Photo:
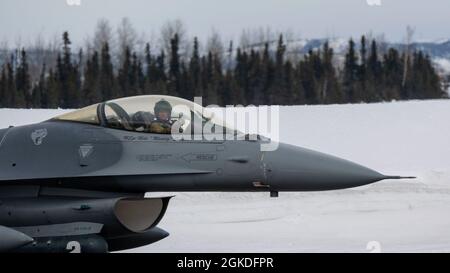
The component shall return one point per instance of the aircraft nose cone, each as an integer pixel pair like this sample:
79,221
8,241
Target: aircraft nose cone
292,168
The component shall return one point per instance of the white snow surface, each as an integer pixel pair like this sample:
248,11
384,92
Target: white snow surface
397,138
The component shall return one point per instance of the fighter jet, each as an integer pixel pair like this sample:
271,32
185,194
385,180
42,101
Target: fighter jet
77,182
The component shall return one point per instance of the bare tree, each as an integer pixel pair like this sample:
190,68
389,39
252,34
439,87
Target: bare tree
214,44
18,43
89,45
251,38
245,40
153,39
38,56
141,42
409,36
4,52
262,37
103,34
50,50
291,49
168,31
382,44
127,37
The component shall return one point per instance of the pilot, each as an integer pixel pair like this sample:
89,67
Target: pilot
162,124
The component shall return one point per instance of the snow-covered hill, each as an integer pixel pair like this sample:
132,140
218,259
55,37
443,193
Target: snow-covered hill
404,138
438,50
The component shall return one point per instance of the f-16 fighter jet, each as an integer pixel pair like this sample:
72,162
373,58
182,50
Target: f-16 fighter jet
76,182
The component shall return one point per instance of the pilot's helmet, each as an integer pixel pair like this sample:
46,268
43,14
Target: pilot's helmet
163,105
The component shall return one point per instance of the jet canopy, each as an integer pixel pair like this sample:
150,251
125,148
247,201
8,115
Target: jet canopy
138,113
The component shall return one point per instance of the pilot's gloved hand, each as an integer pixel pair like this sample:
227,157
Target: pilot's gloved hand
160,127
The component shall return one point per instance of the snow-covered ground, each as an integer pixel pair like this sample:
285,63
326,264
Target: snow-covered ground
399,138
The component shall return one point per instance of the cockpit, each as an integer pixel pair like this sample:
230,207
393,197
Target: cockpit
141,113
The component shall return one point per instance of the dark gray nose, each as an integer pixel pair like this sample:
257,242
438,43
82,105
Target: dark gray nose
292,168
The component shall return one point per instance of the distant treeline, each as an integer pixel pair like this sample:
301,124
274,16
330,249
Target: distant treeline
256,76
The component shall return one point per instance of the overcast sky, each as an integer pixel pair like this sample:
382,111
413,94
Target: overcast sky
306,18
